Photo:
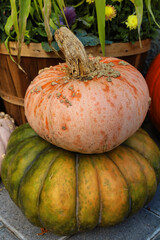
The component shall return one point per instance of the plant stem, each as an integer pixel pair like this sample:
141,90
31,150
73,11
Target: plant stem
74,52
77,60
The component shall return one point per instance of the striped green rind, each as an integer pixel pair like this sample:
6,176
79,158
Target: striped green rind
21,161
32,183
57,205
143,144
9,158
149,173
19,135
88,194
113,188
132,172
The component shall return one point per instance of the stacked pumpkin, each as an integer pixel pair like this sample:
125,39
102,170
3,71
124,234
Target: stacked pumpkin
86,108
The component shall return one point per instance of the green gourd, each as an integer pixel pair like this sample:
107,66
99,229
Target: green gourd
67,192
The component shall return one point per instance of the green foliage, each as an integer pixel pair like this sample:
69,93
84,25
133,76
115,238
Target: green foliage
87,39
23,15
139,12
5,11
100,10
117,31
37,20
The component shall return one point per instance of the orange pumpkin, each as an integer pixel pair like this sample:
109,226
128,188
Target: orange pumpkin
86,105
91,116
153,81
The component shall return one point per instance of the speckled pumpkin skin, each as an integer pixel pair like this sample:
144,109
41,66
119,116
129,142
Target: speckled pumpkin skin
68,192
91,116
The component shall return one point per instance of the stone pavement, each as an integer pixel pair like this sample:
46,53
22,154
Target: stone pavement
145,225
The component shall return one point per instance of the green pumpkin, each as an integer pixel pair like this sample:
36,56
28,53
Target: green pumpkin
67,192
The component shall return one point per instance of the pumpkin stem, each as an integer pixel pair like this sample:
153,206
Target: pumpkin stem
79,65
76,58
43,231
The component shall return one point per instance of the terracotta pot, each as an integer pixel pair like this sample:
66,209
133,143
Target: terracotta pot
14,82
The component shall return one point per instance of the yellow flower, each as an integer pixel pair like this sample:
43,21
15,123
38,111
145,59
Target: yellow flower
110,12
90,1
132,22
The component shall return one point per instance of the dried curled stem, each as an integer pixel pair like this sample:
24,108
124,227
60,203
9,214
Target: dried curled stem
74,52
80,66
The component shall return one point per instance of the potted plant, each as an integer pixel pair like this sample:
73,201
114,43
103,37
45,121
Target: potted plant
27,37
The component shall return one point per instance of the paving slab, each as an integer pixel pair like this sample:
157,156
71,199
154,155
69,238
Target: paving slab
157,237
6,234
1,225
154,205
